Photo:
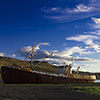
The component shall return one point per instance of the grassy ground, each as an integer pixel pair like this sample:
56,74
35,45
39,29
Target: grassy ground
94,90
49,91
44,66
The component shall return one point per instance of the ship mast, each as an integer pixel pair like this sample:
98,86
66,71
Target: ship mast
31,52
33,48
32,55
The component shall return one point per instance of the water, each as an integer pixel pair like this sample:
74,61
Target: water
97,81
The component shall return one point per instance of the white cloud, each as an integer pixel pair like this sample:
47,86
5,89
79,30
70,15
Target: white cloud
77,50
97,26
96,20
40,54
83,38
70,51
88,40
92,46
55,51
80,11
14,55
51,10
58,58
64,56
97,32
38,46
82,8
25,50
2,54
64,44
79,8
97,23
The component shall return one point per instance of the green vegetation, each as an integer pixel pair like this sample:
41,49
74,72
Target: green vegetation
44,66
6,61
93,90
7,99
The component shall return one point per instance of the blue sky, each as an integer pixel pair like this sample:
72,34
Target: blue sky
68,28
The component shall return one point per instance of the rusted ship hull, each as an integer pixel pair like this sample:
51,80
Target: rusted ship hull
16,76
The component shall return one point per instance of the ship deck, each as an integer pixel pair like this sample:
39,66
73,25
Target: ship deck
75,76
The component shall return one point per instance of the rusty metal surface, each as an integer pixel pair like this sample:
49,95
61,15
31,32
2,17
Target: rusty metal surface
16,76
77,76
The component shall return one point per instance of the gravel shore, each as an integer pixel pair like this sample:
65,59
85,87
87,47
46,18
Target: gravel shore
41,92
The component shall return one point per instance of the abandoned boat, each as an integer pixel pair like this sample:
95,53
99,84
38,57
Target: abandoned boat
22,75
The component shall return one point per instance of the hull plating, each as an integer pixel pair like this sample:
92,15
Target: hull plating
16,76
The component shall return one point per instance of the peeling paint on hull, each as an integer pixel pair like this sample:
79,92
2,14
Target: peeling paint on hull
16,76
